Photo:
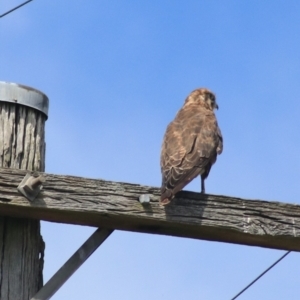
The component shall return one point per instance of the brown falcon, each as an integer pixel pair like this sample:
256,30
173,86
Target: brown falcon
191,144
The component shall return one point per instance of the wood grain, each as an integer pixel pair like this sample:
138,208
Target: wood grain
21,246
115,205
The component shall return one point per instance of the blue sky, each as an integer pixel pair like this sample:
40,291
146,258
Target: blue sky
116,73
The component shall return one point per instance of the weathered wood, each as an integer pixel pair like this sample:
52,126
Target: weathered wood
21,246
75,200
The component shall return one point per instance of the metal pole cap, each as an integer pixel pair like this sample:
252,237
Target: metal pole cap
24,95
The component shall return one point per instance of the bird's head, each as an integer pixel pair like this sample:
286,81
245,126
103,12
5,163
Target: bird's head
203,97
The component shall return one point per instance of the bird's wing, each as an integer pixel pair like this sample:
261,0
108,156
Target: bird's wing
189,143
220,141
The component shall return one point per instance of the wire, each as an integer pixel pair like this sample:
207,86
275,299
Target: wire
262,274
15,8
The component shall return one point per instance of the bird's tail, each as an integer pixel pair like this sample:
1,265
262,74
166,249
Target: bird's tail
166,196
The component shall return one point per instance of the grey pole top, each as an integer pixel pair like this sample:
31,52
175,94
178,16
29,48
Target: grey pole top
24,95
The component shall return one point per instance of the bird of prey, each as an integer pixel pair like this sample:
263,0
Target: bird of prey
191,144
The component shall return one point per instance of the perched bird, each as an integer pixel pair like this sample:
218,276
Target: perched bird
190,145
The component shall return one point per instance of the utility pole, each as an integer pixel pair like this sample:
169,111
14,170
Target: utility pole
23,112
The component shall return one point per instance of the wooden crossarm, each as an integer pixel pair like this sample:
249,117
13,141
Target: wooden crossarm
115,205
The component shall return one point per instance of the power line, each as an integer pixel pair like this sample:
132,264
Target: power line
15,8
262,274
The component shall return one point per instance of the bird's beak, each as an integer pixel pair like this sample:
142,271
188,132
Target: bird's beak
217,106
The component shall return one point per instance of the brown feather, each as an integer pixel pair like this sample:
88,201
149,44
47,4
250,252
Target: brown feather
191,144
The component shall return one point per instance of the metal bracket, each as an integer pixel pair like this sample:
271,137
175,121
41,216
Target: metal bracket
144,199
76,260
30,186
